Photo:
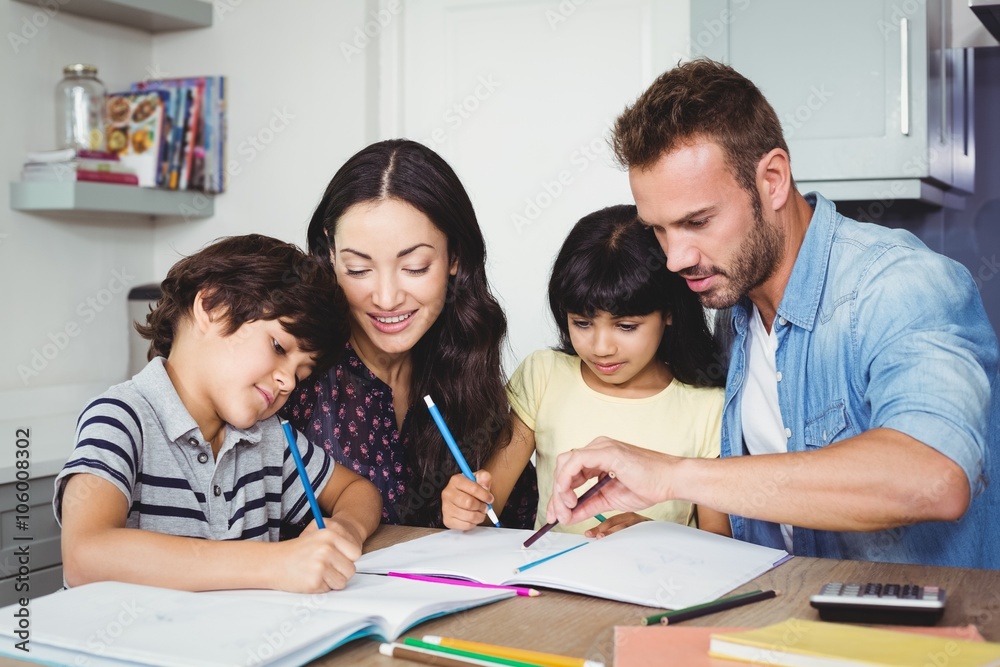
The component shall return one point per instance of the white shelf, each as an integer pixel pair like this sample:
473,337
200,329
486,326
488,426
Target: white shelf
109,198
149,15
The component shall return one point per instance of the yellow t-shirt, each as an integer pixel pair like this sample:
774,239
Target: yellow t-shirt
548,393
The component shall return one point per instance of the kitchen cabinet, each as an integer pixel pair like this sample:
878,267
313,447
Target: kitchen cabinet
873,103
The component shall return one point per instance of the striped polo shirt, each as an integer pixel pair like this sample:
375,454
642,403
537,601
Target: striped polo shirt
139,436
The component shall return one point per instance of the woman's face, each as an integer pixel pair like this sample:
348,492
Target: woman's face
392,263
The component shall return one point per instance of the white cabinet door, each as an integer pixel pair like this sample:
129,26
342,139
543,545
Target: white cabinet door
861,86
518,96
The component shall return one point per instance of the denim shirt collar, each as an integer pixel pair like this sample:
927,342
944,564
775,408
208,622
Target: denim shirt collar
800,302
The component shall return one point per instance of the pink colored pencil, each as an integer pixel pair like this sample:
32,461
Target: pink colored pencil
520,590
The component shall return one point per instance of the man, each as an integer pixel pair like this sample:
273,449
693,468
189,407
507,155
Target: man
862,393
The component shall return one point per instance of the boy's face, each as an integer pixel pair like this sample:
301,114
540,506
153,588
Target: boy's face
250,373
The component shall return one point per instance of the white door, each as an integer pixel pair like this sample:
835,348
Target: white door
518,96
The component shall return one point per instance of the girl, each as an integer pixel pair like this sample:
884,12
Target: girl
400,233
633,363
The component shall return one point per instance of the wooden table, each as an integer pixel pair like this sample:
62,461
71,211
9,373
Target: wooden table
583,626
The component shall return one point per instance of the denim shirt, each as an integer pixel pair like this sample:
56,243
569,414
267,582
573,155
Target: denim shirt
876,330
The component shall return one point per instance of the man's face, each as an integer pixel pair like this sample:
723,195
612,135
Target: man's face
713,234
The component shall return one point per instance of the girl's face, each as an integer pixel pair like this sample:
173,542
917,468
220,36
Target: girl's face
619,353
392,263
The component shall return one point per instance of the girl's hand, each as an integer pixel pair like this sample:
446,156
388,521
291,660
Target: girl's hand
615,523
463,502
318,560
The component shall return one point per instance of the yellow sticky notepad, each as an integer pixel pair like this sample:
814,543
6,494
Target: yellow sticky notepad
816,644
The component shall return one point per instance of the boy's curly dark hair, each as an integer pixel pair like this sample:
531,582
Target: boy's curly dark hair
254,277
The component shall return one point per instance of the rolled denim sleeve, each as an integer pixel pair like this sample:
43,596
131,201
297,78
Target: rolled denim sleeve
927,354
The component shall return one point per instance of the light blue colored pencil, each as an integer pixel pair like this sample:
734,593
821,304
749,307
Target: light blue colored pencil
456,452
301,467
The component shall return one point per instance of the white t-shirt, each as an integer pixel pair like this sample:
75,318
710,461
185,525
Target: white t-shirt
763,430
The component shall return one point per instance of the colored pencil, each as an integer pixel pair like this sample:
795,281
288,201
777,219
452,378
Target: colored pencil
699,610
534,657
306,485
456,452
586,496
520,590
601,517
462,653
432,657
533,563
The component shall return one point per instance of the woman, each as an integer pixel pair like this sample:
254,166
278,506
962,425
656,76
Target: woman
402,237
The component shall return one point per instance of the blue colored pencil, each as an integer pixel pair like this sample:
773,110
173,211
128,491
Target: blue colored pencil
456,452
301,467
542,560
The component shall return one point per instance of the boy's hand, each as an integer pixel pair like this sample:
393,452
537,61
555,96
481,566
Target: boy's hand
615,523
463,502
319,560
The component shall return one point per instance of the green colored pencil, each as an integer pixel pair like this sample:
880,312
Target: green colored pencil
707,607
410,641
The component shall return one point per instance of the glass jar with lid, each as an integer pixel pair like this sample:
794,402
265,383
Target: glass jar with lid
80,109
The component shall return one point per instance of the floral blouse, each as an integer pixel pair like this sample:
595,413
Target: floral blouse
349,412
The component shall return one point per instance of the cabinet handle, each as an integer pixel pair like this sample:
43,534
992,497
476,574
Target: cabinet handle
904,76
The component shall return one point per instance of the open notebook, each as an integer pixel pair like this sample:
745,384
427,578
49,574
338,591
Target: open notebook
111,623
655,563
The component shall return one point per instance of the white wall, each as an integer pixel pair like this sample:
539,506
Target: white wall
283,56
296,111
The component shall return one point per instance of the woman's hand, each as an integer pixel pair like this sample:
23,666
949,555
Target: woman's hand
463,502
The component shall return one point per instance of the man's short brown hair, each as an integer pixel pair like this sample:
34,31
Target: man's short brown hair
700,99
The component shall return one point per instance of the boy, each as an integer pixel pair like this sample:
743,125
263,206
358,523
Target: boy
181,476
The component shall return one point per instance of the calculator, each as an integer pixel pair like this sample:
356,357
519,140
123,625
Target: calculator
906,604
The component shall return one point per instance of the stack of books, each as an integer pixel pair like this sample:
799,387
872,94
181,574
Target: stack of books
192,144
69,165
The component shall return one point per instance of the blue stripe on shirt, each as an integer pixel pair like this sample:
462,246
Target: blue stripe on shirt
169,510
170,483
112,401
114,423
97,464
108,446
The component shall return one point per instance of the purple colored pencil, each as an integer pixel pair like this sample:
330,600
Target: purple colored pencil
586,496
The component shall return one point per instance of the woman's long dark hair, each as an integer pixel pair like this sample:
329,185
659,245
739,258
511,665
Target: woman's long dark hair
610,262
457,361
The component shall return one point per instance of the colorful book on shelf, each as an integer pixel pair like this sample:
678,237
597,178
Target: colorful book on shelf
69,154
133,133
687,646
70,175
654,563
202,143
822,644
112,623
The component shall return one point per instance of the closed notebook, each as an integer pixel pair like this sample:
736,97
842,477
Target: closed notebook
687,646
111,623
818,644
654,563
